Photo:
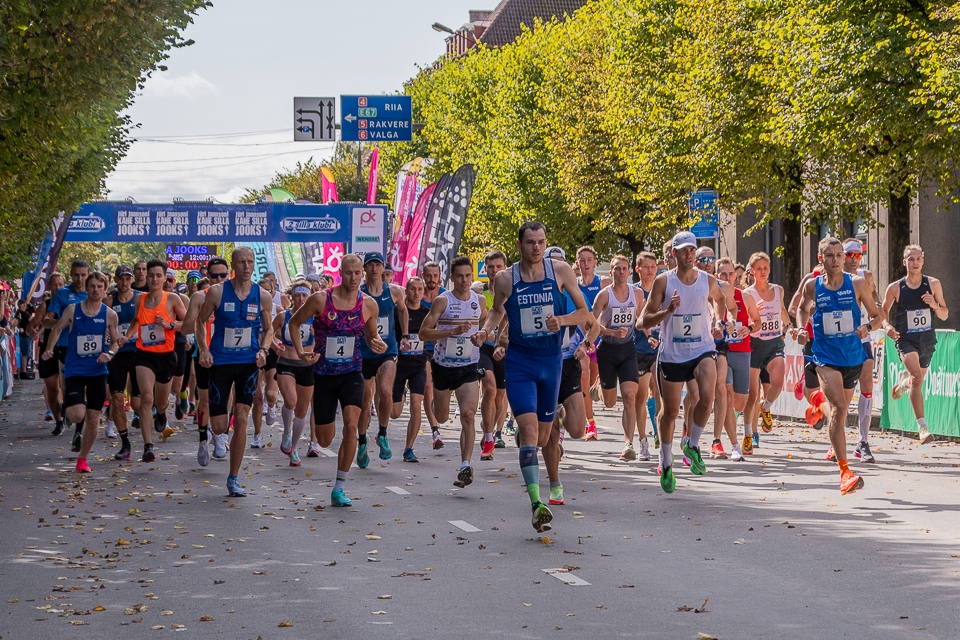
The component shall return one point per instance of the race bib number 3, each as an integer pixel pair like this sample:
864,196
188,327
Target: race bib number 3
236,339
306,335
151,335
416,346
687,328
838,324
919,320
339,349
458,349
89,346
533,322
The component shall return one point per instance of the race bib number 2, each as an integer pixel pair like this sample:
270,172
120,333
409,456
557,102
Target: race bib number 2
687,328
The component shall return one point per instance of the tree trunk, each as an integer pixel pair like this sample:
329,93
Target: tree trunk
792,249
898,233
636,246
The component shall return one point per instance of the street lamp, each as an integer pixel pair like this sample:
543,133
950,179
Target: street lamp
442,28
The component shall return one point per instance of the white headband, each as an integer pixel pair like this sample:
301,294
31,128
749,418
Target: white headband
853,245
302,289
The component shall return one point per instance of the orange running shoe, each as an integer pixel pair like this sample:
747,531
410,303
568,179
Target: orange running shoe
798,389
82,466
814,415
716,451
831,454
817,398
850,482
747,445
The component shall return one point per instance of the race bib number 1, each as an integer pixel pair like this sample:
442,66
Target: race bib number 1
838,324
533,322
89,346
458,349
687,328
919,320
236,339
339,349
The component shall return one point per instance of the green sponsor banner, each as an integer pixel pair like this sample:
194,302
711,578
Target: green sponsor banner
941,389
292,258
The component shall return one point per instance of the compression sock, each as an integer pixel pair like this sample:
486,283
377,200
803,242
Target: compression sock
695,432
666,454
124,439
362,438
530,468
341,478
79,426
652,410
488,437
299,424
286,415
844,468
203,434
381,431
864,413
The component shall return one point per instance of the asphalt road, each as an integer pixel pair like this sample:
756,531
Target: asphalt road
770,545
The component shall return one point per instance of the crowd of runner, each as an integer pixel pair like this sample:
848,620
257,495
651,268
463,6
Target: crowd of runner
542,341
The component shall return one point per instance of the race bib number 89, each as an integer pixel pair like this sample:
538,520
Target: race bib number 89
89,346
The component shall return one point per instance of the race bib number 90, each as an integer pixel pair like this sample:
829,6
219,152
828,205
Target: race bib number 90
687,328
838,324
89,346
919,320
533,321
339,349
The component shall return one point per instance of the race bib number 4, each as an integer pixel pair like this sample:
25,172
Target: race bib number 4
838,324
151,335
919,320
458,349
237,338
416,346
687,328
89,346
533,321
339,349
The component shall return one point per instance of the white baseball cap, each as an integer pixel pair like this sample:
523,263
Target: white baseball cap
684,239
555,251
853,245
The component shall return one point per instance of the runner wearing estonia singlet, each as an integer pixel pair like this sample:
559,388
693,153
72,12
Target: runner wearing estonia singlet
92,325
242,313
616,308
493,404
531,295
431,289
267,389
217,271
123,366
590,285
341,315
680,303
832,302
153,327
646,344
380,369
294,376
453,318
766,343
411,366
918,297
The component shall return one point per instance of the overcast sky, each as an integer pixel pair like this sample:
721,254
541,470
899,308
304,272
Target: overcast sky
250,59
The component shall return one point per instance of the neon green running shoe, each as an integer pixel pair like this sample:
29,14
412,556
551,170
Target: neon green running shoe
556,494
542,516
667,480
696,461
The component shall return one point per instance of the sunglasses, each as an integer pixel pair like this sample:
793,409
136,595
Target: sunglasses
171,279
854,254
193,279
211,274
707,260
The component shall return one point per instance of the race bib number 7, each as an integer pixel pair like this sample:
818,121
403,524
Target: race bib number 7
237,338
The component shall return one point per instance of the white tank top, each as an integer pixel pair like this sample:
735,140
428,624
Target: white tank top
685,335
620,314
458,351
770,316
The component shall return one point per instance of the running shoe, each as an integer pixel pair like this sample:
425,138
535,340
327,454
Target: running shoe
716,451
193,410
925,436
668,481
203,451
756,441
486,450
900,388
135,423
498,442
850,482
628,454
831,454
814,415
591,431
863,452
271,416
362,458
67,422
234,490
736,456
257,441
686,460
509,429
294,458
644,450
385,453
339,499
766,420
220,446
410,456
747,445
464,477
82,466
542,517
798,389
819,424
111,430
286,443
158,421
313,451
556,495
49,416
696,462
437,441
595,391
178,411
75,445
123,454
167,433
148,456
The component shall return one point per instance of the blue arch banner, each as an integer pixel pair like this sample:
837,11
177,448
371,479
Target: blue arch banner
202,222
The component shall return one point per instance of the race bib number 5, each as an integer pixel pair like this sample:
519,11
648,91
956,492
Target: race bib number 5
533,322
339,349
919,320
687,328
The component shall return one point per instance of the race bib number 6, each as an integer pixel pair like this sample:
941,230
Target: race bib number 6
151,335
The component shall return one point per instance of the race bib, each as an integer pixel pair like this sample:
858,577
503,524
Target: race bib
533,321
122,329
838,324
458,349
622,317
383,327
687,328
733,339
566,339
919,320
416,346
306,334
89,346
770,326
237,338
191,339
339,349
151,335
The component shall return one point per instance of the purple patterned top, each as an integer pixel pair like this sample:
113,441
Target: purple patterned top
337,336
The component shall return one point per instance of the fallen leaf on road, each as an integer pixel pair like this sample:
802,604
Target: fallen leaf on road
378,613
156,627
527,604
284,624
309,473
259,573
330,620
386,597
703,607
739,541
705,636
546,540
683,608
373,537
206,618
199,546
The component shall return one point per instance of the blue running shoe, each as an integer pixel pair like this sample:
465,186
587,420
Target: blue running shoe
286,443
234,490
362,458
409,456
756,441
339,499
385,453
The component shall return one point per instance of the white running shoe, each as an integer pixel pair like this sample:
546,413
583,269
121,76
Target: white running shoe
257,441
220,446
271,415
203,452
737,455
644,449
111,429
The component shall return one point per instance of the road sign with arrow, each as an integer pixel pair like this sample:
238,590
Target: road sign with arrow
314,119
376,118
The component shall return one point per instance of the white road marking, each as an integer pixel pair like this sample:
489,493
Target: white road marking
327,453
399,491
466,526
567,577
